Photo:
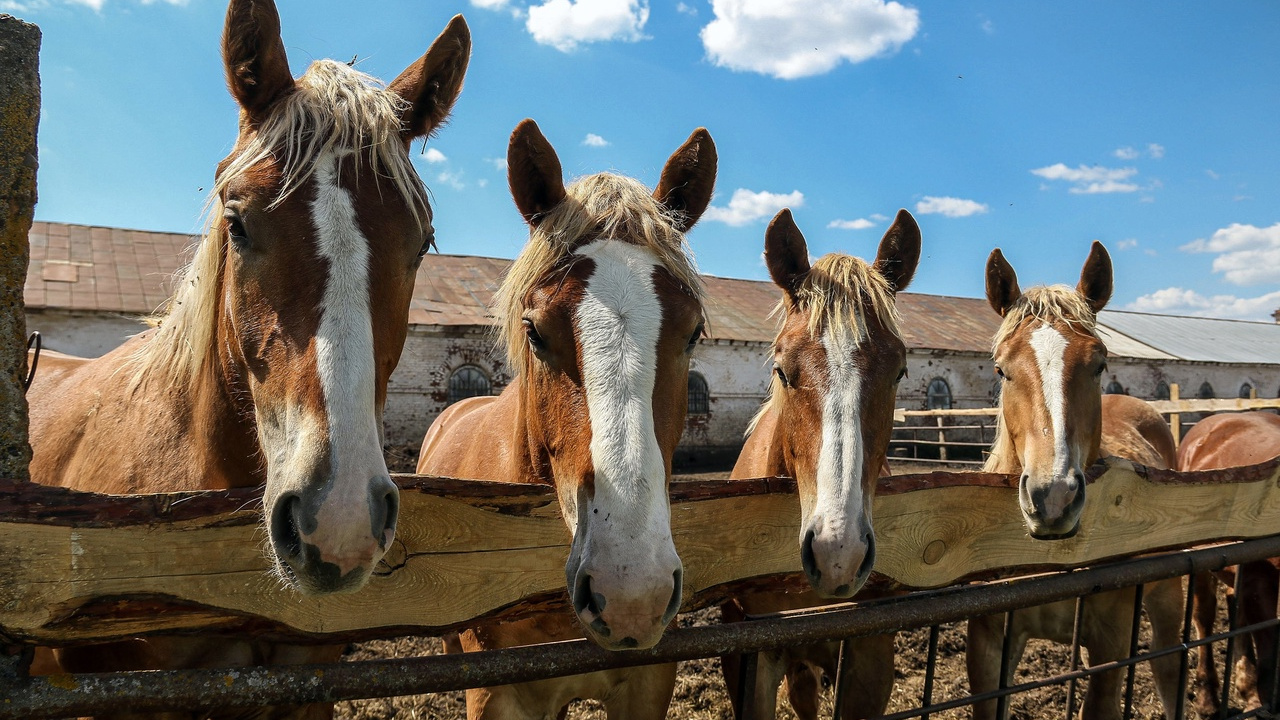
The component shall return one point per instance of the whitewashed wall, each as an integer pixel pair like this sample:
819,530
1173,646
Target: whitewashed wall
82,334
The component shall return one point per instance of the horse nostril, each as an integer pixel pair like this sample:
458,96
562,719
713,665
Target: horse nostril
868,560
807,560
384,509
284,527
673,605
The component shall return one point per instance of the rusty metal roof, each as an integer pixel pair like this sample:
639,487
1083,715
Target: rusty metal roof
97,269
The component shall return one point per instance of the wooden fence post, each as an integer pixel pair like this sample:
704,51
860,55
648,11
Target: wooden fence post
942,440
1175,419
19,117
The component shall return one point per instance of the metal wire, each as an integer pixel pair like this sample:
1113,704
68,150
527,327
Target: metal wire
1138,592
930,668
1075,657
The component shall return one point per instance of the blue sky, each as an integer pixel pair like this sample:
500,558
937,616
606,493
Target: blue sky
1036,127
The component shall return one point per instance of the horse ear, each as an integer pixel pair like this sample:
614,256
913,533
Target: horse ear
432,84
1095,279
1002,283
253,53
899,252
533,172
785,253
688,179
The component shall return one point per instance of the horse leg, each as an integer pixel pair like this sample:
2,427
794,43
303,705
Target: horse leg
1204,610
770,669
984,645
868,681
804,689
644,693
1164,605
1260,586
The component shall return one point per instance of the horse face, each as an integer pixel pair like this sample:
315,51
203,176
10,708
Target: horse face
1051,397
609,334
323,235
837,397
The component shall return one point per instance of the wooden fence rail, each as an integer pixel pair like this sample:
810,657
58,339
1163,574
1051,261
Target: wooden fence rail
77,567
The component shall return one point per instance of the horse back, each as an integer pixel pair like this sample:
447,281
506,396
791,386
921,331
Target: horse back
753,459
1230,440
1133,430
471,438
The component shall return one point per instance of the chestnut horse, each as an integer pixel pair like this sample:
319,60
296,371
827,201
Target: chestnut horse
1216,442
837,361
1054,422
271,365
599,314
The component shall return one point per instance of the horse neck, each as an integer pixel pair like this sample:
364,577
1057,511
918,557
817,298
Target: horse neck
1003,458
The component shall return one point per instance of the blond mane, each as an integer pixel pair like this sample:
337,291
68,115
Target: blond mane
333,109
836,294
1047,304
601,206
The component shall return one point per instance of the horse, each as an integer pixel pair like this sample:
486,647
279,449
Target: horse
838,358
1054,422
599,315
269,366
1224,441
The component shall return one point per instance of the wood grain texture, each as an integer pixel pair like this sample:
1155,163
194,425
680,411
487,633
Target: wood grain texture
77,567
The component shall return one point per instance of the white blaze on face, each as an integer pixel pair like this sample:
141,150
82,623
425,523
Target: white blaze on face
346,365
619,321
1050,348
840,503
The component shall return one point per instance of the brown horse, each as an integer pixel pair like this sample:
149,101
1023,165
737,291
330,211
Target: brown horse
837,361
271,365
1223,441
600,314
1054,422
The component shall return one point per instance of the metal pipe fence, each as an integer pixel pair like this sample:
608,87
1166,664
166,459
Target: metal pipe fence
71,695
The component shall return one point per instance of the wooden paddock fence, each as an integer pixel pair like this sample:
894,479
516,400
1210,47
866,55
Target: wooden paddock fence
961,436
80,568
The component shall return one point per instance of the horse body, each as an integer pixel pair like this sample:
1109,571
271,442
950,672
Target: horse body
600,314
838,359
1055,422
1223,441
270,366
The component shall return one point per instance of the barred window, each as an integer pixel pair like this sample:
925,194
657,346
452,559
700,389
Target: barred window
699,395
1206,391
468,381
1162,390
1246,390
939,395
1115,388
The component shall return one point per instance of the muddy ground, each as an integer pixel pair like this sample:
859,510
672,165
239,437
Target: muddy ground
700,693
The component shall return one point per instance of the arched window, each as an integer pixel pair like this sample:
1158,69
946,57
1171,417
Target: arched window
1162,390
1115,388
939,396
468,381
1206,391
1246,390
699,395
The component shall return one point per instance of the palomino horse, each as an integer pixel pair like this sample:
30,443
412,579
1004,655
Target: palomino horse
1054,422
1223,441
271,364
837,361
600,314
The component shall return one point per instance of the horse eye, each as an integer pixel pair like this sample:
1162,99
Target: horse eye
697,333
901,374
531,332
235,228
1101,368
782,376
428,243
1001,373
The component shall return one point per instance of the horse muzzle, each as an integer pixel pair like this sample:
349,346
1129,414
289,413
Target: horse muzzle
1052,509
837,561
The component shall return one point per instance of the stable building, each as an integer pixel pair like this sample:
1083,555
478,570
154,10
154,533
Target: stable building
87,288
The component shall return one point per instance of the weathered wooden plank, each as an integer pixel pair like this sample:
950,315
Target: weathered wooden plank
76,567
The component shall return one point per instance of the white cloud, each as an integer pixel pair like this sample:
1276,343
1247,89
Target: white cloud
949,207
859,224
433,156
686,9
1091,180
791,39
594,140
1126,153
878,217
565,24
489,4
747,206
1180,301
24,6
988,27
452,179
500,163
1212,175
1247,255
1127,244
1155,150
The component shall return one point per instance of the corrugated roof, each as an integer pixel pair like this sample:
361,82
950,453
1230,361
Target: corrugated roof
77,267
1201,339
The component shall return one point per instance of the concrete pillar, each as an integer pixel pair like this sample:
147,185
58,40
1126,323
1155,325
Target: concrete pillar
19,116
